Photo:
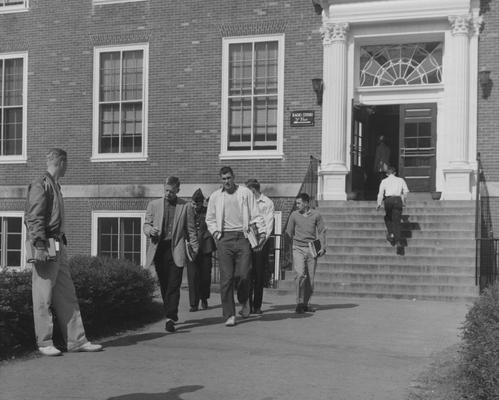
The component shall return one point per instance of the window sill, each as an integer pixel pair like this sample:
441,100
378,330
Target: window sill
102,2
251,155
13,160
118,158
13,9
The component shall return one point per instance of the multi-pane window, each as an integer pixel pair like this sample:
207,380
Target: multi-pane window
11,233
120,237
12,106
253,95
120,106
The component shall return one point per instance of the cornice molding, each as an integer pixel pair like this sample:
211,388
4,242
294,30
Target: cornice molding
395,10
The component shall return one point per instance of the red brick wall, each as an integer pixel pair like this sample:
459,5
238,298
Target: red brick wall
185,47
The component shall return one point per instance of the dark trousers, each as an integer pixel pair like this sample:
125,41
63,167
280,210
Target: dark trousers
199,278
234,255
393,210
259,267
170,279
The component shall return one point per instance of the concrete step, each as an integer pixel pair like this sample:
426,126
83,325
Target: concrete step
387,249
368,258
380,240
414,211
412,226
363,218
380,232
465,204
395,268
390,289
400,278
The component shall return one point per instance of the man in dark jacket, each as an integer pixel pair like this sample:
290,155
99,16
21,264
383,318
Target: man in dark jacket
53,287
199,269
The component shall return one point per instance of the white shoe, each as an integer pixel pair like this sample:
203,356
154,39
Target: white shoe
88,348
231,321
50,351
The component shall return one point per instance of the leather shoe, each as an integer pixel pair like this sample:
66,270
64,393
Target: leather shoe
245,310
257,311
50,351
193,309
204,304
300,308
308,308
170,326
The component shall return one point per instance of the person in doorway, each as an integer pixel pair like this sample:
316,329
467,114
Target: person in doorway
52,285
169,221
304,226
260,257
392,195
232,212
199,269
381,159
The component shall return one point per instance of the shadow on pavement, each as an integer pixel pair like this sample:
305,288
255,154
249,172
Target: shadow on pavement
172,394
318,307
131,340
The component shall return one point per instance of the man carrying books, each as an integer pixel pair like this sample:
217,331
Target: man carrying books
306,228
52,285
232,212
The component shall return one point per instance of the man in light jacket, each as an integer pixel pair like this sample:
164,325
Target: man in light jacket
167,223
232,212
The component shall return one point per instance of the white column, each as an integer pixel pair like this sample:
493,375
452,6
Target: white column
457,175
333,170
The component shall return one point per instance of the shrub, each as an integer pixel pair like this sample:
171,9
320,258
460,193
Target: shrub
113,294
110,291
481,348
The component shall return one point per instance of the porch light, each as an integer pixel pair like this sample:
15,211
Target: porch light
485,82
318,86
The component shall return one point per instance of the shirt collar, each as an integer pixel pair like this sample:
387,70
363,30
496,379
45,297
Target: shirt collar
223,189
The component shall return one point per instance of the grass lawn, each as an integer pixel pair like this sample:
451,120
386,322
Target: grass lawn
441,380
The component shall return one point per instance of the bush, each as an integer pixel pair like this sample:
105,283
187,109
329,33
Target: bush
481,348
110,291
113,294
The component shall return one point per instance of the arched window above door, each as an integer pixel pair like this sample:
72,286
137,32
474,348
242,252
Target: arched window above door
401,64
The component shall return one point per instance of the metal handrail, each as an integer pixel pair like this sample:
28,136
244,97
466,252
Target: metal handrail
477,219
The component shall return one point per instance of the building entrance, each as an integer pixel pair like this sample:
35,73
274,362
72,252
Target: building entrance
402,135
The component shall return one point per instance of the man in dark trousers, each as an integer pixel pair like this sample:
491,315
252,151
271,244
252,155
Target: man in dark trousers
260,257
232,212
199,269
392,194
168,223
53,288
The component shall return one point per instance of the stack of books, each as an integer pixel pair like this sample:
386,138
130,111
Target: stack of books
315,247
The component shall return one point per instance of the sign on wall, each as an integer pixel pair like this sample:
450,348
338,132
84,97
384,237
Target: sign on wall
302,118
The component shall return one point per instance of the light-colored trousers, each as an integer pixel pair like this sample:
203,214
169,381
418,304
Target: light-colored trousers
53,289
304,264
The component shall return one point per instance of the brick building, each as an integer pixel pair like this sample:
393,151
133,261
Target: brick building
138,90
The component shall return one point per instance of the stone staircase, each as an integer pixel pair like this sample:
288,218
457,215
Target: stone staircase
437,263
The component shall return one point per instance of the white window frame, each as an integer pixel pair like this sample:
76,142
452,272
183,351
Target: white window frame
14,8
20,158
99,2
118,214
252,154
18,214
109,157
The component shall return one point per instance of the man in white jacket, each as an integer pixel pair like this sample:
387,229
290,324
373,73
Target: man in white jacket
232,211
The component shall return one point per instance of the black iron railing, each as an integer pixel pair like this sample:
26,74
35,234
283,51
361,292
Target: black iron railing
487,247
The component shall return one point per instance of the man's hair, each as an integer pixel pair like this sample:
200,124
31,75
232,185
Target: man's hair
226,170
253,184
391,169
173,181
304,197
56,154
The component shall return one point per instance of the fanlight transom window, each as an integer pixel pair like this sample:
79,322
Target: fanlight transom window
401,64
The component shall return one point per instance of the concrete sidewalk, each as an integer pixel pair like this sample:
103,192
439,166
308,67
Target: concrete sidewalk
350,349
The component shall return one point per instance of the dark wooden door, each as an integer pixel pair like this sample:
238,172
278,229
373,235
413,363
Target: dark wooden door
417,157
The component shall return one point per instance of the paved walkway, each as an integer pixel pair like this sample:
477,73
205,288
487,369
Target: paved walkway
350,349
